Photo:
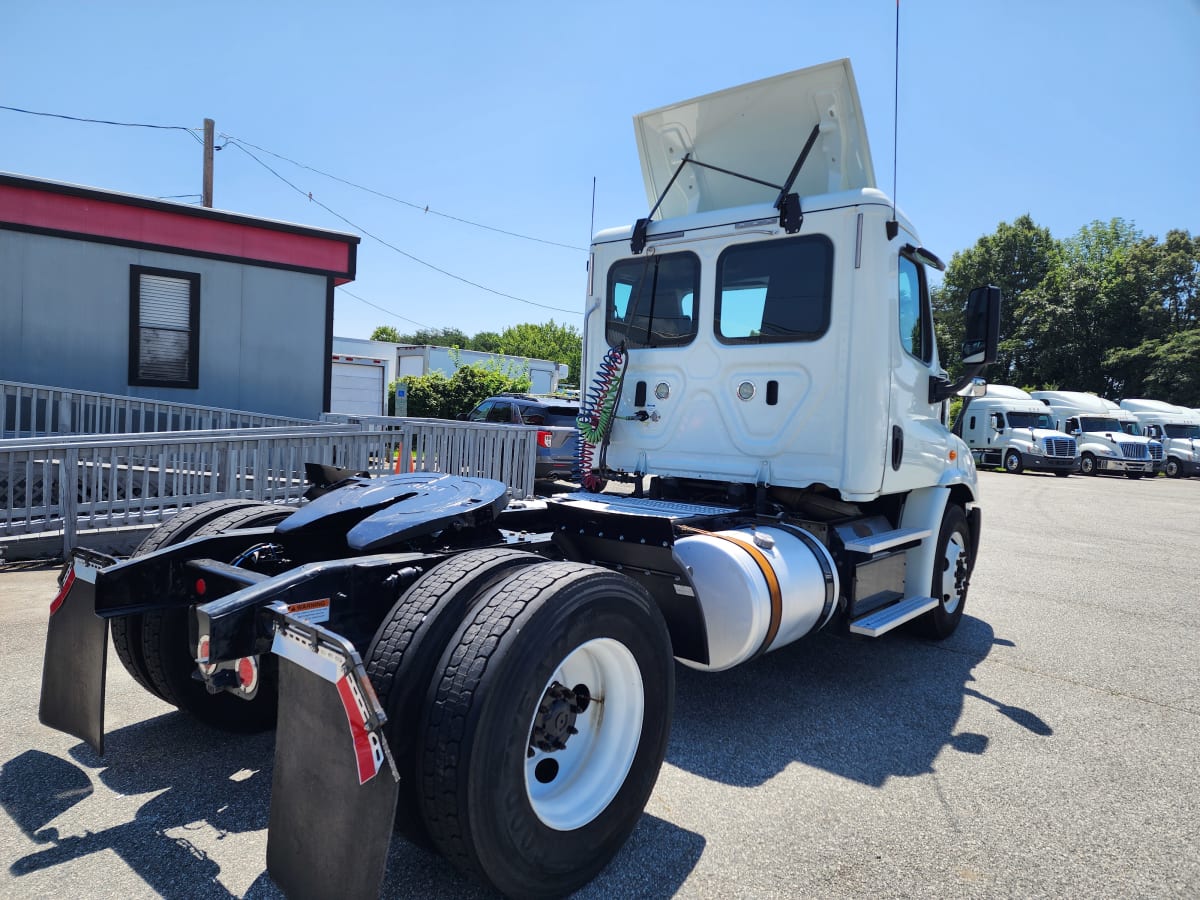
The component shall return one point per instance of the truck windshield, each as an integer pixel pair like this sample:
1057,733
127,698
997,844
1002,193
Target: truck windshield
1029,420
1096,423
1182,431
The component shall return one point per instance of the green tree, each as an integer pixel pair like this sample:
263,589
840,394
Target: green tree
386,333
438,397
558,343
439,337
1016,258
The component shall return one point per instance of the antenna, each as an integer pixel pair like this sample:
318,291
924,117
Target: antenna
592,223
893,227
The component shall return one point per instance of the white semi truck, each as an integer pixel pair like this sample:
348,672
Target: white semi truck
496,679
1177,428
1104,444
1008,428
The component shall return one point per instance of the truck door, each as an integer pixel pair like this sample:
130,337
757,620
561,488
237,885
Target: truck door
917,440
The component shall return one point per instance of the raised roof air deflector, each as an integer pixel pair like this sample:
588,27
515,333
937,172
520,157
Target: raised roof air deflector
757,130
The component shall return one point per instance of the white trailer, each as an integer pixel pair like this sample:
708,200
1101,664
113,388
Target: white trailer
422,359
1176,427
1104,444
1007,427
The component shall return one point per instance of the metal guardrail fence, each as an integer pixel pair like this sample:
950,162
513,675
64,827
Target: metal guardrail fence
29,410
75,483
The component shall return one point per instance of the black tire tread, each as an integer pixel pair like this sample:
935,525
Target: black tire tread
403,656
127,630
161,627
452,695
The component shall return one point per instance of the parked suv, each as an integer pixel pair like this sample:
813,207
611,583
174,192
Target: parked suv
558,437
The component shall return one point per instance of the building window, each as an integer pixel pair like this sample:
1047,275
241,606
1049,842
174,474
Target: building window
164,327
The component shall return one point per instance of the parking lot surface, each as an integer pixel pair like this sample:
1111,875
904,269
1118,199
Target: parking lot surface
1051,747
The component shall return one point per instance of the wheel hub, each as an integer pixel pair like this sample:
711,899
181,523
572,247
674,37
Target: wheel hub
555,720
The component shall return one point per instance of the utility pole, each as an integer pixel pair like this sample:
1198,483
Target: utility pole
207,191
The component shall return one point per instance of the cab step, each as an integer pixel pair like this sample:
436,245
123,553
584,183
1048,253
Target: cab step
887,540
883,620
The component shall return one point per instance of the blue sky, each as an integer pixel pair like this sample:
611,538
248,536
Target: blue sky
503,113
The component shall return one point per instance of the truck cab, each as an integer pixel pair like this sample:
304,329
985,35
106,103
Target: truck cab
1176,428
1008,428
1104,444
794,351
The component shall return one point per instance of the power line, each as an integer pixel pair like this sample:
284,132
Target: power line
392,246
31,112
382,309
417,206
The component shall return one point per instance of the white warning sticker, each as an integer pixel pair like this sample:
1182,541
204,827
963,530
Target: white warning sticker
311,611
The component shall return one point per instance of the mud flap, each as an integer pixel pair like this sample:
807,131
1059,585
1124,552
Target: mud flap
76,654
334,789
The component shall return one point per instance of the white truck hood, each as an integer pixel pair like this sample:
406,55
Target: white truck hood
758,130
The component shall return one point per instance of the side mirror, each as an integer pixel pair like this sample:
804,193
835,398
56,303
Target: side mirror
981,341
981,320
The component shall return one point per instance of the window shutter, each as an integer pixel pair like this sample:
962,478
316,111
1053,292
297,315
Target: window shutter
164,322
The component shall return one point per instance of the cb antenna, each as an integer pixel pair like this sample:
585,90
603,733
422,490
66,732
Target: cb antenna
893,227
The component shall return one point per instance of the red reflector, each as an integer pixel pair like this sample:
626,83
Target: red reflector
62,592
545,439
201,587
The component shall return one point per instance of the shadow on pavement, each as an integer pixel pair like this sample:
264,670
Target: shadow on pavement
209,778
865,709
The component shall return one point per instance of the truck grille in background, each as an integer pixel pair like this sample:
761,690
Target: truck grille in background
1156,452
1059,447
1134,451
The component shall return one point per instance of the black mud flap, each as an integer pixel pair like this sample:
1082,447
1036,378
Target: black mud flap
333,795
76,654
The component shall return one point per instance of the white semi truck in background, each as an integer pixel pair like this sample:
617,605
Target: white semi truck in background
1177,428
1104,445
1008,428
495,678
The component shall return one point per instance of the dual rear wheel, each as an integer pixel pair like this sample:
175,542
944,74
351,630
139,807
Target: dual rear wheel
154,647
529,709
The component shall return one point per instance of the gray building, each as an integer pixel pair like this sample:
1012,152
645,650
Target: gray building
115,293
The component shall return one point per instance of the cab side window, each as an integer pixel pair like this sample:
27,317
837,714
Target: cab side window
916,331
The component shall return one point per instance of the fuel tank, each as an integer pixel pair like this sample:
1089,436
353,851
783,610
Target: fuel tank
758,588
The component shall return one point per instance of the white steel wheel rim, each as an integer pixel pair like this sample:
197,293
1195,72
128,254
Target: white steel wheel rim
956,551
589,771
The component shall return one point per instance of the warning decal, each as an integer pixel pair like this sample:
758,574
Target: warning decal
311,611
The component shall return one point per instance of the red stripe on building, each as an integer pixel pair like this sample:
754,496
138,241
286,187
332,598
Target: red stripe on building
112,219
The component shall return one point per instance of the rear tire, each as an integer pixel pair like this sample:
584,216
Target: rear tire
406,649
127,630
951,570
1012,463
170,658
501,799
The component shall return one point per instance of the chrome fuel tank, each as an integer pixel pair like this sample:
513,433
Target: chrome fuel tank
758,588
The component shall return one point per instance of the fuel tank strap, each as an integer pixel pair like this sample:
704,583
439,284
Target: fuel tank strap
768,573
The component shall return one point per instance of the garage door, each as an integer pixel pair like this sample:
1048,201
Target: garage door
356,389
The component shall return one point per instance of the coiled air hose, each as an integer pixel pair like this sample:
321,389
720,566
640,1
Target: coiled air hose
597,412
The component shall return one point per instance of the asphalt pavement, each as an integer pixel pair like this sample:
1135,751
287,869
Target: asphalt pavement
1049,748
